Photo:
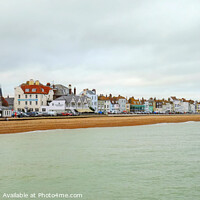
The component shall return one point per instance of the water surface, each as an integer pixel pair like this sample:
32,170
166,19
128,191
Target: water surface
141,162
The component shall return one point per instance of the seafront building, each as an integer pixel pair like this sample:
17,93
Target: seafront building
197,107
104,104
34,96
112,104
162,106
136,105
61,90
5,110
30,96
10,101
183,105
92,94
69,102
128,106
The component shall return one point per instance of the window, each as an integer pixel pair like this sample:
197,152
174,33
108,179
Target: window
34,90
42,90
25,102
26,90
36,103
26,96
30,102
43,109
37,109
19,96
18,102
36,96
30,96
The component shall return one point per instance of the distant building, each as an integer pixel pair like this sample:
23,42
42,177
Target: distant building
10,101
30,96
183,105
112,104
61,90
93,96
69,102
197,107
118,104
104,104
5,110
136,105
177,107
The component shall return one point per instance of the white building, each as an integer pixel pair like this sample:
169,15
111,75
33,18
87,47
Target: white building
104,104
30,96
70,102
177,107
122,103
5,110
93,96
183,105
111,104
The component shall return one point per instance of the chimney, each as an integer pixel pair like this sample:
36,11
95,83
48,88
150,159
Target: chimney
110,95
74,90
94,91
70,89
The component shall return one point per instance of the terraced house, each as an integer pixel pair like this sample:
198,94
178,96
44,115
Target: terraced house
5,110
136,105
104,104
93,96
30,96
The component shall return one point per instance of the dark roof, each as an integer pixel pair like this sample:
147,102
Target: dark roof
10,100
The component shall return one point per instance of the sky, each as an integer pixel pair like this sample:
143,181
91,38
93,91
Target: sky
140,48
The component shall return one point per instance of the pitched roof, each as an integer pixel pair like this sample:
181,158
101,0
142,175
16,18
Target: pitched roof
103,98
10,100
35,89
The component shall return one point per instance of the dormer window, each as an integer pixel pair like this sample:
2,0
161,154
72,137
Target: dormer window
42,90
34,90
26,90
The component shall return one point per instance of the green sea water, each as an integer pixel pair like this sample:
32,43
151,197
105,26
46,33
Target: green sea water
153,162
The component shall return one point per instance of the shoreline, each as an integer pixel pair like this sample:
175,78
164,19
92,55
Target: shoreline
28,125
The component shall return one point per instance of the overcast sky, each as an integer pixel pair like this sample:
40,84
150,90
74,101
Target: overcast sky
128,47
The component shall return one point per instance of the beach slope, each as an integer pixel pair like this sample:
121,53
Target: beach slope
17,126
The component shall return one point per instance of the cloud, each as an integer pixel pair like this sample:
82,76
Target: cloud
148,48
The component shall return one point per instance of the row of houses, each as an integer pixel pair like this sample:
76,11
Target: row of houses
34,96
121,104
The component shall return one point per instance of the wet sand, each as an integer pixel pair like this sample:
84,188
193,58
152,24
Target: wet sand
17,126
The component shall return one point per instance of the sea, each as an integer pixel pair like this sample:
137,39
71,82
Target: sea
150,162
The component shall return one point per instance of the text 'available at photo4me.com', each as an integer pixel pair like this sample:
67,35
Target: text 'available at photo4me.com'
41,195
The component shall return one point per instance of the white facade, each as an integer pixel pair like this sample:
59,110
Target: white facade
5,112
93,96
70,102
183,106
167,108
147,107
31,101
115,108
122,104
104,106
